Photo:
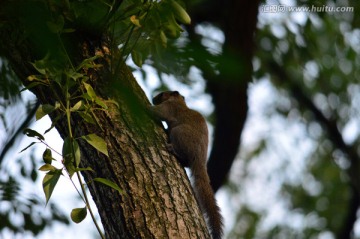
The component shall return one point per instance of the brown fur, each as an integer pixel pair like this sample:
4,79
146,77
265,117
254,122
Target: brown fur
188,136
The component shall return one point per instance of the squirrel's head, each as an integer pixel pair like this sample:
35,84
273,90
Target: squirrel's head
168,96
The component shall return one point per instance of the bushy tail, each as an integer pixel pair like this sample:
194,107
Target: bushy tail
206,199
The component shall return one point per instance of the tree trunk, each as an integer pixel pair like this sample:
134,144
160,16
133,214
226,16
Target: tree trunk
157,199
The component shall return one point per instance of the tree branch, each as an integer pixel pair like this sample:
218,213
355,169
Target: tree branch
335,136
238,21
26,122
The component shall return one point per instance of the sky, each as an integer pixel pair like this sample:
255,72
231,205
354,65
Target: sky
260,189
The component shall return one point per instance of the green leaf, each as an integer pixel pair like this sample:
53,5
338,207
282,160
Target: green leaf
97,142
49,182
180,12
87,63
74,75
47,157
87,117
84,169
69,165
108,183
44,110
33,134
78,106
47,167
66,149
77,153
27,147
53,123
163,39
137,58
90,91
31,85
100,103
86,96
69,150
40,66
78,214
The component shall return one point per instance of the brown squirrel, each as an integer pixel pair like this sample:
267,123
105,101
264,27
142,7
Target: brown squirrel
188,136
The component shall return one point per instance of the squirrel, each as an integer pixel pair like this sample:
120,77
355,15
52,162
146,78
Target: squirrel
188,135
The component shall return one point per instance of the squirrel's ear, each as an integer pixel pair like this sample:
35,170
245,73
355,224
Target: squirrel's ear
157,99
176,93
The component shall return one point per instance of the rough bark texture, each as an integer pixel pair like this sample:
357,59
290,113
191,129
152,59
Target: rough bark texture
157,199
155,193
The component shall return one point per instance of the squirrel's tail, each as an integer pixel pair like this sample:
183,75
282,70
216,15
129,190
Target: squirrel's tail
206,199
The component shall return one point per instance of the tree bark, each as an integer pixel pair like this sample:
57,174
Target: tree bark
157,199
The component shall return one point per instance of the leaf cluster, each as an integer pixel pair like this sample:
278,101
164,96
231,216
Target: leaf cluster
15,204
136,27
311,67
80,98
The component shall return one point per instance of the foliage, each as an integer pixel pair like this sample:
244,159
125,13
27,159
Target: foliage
317,54
138,28
86,102
9,84
23,211
310,59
